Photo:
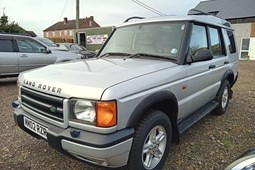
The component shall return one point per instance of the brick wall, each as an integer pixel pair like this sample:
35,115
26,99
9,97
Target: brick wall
60,36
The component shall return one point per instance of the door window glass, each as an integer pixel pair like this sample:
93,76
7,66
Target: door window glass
30,46
198,39
215,42
6,46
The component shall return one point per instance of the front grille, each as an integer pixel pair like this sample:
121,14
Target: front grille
43,104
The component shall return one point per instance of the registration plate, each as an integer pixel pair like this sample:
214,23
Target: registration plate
35,127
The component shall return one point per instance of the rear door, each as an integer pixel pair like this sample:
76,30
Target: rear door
32,54
8,56
220,58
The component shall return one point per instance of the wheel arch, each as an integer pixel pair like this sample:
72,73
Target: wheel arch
229,75
164,101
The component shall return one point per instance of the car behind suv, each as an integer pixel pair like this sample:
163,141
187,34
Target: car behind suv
78,49
152,80
20,53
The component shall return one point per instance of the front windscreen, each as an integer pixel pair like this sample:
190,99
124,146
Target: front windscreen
161,39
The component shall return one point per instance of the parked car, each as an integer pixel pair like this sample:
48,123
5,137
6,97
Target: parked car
79,49
152,80
51,44
20,53
245,162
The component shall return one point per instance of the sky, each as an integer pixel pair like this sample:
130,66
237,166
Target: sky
37,15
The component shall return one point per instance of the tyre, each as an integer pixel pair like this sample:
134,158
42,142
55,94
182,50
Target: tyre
151,143
223,98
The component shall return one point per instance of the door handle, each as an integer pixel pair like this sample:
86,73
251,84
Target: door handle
24,55
212,66
226,62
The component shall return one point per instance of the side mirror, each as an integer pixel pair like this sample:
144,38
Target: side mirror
202,55
48,51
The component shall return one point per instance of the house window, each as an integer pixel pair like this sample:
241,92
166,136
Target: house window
60,33
244,53
71,33
90,23
53,34
65,32
47,34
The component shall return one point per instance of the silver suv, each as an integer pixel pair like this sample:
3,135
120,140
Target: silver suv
152,80
20,53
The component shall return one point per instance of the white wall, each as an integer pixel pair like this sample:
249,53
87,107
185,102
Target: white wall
252,49
241,31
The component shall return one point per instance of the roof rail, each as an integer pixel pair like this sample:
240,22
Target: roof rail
224,22
135,17
11,33
199,12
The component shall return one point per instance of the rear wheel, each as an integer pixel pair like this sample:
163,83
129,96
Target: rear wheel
151,142
223,98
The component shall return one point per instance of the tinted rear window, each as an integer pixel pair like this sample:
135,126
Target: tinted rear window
6,46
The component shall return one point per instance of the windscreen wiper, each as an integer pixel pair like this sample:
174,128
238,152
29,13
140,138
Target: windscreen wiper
114,54
136,55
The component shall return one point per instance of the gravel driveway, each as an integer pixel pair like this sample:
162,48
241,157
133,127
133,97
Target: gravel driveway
213,143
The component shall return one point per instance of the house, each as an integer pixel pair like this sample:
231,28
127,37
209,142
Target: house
241,14
64,31
92,38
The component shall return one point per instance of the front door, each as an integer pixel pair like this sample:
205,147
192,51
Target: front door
200,83
32,54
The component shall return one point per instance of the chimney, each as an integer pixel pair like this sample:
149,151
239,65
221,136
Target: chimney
65,20
91,17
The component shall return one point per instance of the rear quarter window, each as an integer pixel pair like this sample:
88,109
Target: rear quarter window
231,42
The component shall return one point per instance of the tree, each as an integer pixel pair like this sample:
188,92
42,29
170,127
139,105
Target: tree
4,20
10,27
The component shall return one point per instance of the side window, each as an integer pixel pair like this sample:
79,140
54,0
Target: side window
231,43
6,45
215,41
198,39
27,45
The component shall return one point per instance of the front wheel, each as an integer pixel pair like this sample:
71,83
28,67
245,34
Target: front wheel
151,142
223,98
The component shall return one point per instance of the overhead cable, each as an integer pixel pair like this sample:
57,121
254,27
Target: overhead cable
149,8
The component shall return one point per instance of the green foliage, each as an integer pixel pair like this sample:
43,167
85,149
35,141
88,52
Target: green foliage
10,27
4,20
226,142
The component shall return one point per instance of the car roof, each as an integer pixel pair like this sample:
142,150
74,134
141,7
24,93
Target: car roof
13,35
207,19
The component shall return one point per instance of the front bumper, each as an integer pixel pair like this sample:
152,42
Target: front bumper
110,150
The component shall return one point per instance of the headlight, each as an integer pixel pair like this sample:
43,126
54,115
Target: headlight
83,110
100,113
